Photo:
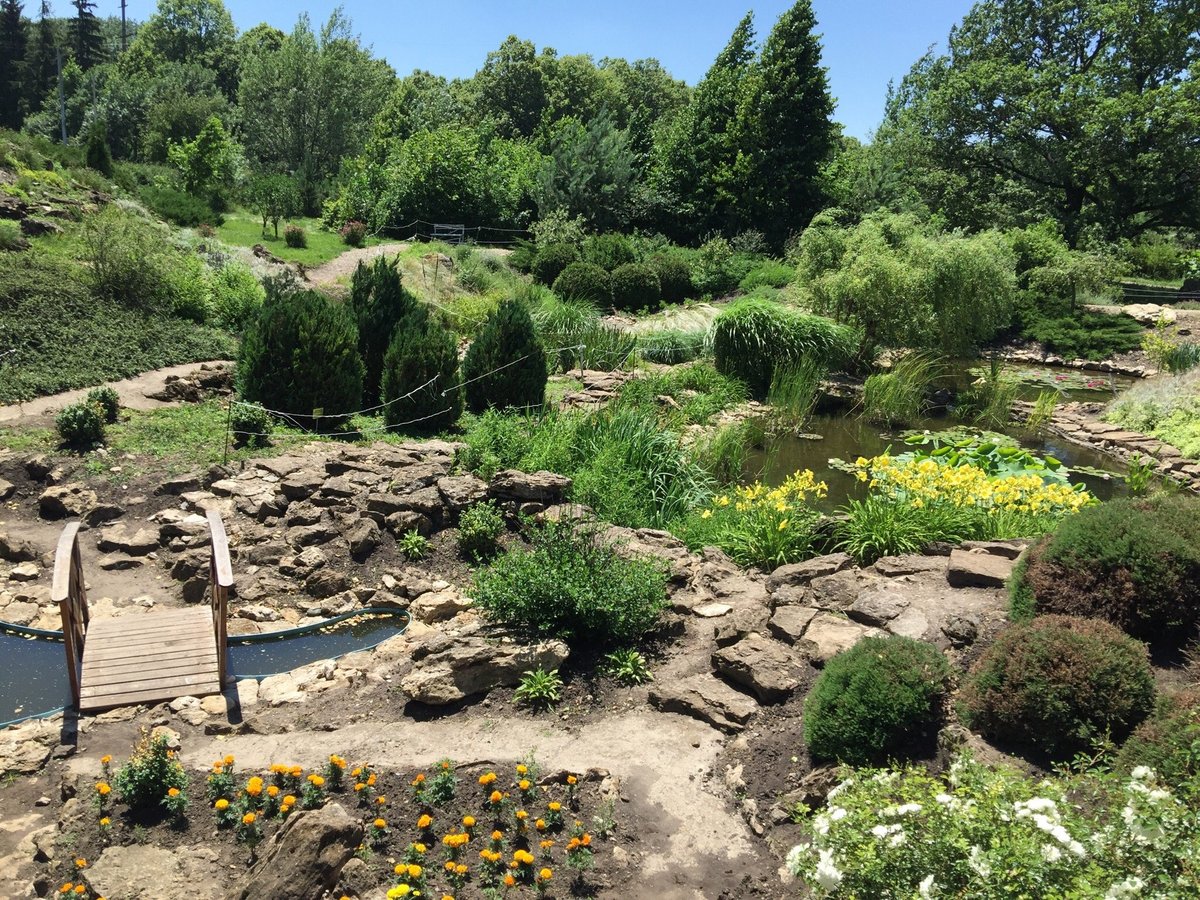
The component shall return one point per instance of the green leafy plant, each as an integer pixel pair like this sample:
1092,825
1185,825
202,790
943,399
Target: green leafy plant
236,296
1168,742
609,251
152,770
250,424
573,586
107,401
552,259
674,273
988,402
11,237
795,390
353,233
444,784
414,545
1058,684
878,526
295,236
379,302
539,688
1139,475
506,363
80,425
628,666
479,530
1132,561
874,700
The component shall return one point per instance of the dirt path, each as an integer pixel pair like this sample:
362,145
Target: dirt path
327,274
132,391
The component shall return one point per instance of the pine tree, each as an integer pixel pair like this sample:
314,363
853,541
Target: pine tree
788,129
506,364
87,40
42,61
698,157
420,382
379,301
13,64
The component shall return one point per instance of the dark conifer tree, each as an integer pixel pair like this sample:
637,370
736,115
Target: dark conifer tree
86,38
13,63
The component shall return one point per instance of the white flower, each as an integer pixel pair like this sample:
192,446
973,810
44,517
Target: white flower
1076,849
976,861
827,874
820,824
908,808
1158,794
881,831
944,799
897,839
795,858
1060,834
838,788
927,886
1127,888
837,813
1050,853
1039,804
1142,773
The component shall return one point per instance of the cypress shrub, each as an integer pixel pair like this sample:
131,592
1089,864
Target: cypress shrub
506,364
301,354
379,301
80,425
584,281
99,157
551,260
1134,562
635,286
1167,742
751,337
609,251
874,699
674,275
1059,683
420,375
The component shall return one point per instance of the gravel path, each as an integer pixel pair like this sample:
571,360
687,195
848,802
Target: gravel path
327,274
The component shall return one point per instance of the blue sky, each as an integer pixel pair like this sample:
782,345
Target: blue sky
867,42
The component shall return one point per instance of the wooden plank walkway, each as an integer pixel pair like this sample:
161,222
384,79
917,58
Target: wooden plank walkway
148,659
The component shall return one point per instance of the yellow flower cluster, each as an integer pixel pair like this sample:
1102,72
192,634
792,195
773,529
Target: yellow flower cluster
927,481
796,490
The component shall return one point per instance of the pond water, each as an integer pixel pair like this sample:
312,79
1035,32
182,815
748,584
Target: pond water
33,671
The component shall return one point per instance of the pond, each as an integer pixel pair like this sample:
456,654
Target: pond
33,671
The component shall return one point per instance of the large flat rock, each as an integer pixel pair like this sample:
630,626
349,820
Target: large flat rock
707,698
771,670
976,568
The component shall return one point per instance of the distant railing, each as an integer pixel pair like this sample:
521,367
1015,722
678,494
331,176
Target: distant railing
1132,292
70,594
220,579
451,234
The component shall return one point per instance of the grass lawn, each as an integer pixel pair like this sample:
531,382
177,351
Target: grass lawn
243,229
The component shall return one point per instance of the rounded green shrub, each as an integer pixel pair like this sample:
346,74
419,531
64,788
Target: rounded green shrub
674,276
635,286
295,236
1168,742
250,424
1058,683
420,385
379,301
572,586
80,425
609,251
586,282
551,260
479,530
236,296
300,355
353,233
1134,562
107,401
505,365
874,700
751,337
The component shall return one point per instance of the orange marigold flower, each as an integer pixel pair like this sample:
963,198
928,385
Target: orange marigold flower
571,779
248,819
449,865
497,835
105,759
424,822
380,823
521,814
316,780
172,792
523,784
545,875
572,845
103,789
445,765
487,778
360,787
222,804
509,881
81,863
420,779
419,848
586,840
460,869
228,760
289,800
496,797
67,888
414,871
371,780
357,771
555,806
547,844
401,869
522,770
273,791
254,786
105,822
296,771
540,824
468,821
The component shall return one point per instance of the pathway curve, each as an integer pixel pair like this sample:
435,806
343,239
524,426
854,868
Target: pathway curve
132,391
327,274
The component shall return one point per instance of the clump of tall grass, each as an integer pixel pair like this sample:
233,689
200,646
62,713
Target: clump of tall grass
694,393
988,402
795,389
573,335
898,396
752,337
725,452
1043,410
672,346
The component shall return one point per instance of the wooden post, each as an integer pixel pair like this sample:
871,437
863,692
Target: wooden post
220,578
69,593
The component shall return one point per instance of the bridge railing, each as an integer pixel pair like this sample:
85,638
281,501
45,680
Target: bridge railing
69,592
220,579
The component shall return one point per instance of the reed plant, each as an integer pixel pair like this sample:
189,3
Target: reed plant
795,389
898,396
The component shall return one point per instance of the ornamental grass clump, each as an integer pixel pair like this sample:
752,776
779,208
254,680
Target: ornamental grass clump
758,525
1058,685
1134,562
875,701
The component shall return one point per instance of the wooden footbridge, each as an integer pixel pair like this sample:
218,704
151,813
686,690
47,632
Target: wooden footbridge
147,658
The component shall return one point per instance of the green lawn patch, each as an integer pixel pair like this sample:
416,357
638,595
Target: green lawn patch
243,229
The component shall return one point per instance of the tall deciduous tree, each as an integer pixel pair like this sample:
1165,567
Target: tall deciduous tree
511,88
187,31
1085,109
309,104
788,129
13,68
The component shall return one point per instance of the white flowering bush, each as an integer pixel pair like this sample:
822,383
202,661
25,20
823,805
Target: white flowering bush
986,832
